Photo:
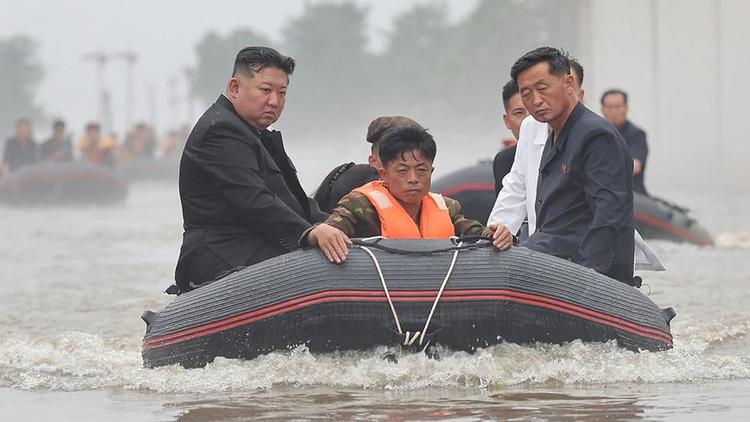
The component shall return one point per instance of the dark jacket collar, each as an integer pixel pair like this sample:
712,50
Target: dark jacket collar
572,119
551,149
625,126
224,102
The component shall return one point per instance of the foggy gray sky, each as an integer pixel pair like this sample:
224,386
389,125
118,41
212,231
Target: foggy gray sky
163,33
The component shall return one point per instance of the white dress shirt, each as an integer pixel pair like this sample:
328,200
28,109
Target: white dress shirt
517,199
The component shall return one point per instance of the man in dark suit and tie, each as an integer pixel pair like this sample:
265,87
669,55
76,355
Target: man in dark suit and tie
585,189
242,202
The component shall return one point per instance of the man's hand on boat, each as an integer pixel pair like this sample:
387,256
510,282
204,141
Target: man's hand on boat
332,241
502,238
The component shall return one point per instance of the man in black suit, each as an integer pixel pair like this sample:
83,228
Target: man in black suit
585,189
615,109
242,202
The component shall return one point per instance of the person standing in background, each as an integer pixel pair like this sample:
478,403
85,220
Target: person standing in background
97,148
20,149
57,147
615,110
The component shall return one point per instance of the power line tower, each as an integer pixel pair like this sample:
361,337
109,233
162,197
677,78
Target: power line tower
104,112
130,58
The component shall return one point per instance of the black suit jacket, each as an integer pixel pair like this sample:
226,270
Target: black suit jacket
501,166
585,197
241,199
635,137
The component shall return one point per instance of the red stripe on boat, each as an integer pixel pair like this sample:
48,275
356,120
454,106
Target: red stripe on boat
672,229
406,296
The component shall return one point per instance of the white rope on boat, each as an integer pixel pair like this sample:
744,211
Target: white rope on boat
385,287
410,339
440,292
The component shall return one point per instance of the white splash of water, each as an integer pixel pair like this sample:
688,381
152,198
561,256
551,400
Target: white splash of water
736,239
78,361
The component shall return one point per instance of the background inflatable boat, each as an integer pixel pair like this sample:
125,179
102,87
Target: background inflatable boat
149,170
655,218
516,296
75,182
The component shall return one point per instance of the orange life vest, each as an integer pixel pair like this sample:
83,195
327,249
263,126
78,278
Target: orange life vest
395,223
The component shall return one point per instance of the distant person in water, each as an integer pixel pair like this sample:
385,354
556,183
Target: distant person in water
140,142
20,150
345,177
58,147
514,114
615,110
174,142
97,148
399,205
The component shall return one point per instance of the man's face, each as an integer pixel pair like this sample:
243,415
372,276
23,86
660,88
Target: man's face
514,114
58,132
408,177
260,99
545,95
23,131
614,109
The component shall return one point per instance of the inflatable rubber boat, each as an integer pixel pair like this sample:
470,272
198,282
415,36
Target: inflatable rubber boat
75,182
414,293
655,218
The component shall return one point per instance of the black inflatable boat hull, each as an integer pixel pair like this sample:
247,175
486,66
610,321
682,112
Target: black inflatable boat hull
474,187
67,183
517,296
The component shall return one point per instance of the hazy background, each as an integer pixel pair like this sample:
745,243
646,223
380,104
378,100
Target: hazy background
73,281
442,63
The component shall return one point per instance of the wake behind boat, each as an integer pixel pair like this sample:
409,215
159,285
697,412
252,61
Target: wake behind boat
489,297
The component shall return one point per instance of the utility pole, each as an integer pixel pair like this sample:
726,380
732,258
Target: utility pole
104,112
130,58
174,102
189,97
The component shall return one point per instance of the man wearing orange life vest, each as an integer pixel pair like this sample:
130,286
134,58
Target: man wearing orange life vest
400,204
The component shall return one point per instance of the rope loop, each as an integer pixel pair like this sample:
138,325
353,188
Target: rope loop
410,339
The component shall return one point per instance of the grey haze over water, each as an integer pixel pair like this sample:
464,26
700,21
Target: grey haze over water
74,281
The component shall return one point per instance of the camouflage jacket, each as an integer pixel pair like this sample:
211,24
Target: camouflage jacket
357,217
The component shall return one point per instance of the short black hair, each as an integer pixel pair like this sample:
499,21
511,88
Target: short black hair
253,59
578,69
58,123
399,140
93,126
614,91
509,90
559,64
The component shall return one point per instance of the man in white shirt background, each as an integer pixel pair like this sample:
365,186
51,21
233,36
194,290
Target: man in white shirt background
514,114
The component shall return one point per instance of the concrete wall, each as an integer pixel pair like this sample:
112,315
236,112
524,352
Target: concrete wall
685,66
